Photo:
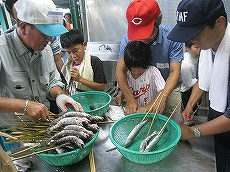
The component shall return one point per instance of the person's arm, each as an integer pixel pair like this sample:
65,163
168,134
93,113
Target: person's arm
131,103
194,98
34,110
57,52
63,100
74,72
171,82
6,162
187,75
218,125
58,60
173,78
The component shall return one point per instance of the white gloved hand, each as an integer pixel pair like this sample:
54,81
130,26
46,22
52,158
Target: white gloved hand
63,100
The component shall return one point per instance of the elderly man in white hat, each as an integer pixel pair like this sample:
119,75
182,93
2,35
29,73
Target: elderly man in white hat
27,70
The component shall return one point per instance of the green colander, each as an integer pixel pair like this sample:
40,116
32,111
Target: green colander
121,129
71,157
95,103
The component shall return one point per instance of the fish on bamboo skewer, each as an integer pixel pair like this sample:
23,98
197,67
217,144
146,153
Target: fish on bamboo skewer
78,128
67,121
139,126
82,135
134,133
144,143
74,140
37,133
93,127
80,114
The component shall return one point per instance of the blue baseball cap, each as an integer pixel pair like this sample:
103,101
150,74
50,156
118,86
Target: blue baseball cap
193,16
42,14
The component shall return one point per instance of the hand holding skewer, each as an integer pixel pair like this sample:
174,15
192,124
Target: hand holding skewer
36,111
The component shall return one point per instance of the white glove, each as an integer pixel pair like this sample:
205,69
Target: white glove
62,100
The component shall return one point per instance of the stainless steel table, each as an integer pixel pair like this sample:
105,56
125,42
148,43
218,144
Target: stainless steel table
190,156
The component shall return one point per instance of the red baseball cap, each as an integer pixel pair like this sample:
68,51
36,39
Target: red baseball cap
141,15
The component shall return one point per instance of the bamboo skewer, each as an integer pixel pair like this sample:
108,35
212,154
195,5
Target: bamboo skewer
21,119
24,150
91,161
162,129
7,135
197,108
155,115
160,94
35,153
114,148
105,122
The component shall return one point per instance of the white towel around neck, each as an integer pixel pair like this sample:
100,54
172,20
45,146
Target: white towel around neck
86,71
214,76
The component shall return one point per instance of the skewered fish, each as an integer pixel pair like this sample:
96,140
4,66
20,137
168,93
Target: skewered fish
134,133
82,135
78,128
144,143
93,127
73,114
76,141
68,121
152,143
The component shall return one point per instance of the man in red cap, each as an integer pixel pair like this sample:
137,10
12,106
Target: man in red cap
144,24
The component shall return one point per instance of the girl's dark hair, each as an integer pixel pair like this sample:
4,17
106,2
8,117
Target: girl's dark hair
137,55
72,37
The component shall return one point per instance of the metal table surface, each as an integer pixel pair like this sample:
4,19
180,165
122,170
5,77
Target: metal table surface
190,156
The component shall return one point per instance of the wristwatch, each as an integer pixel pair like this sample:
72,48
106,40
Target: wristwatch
196,131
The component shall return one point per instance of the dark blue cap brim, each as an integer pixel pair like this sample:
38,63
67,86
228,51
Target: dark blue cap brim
185,33
51,29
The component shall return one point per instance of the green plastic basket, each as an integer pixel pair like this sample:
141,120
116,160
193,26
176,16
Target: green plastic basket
98,99
121,129
71,157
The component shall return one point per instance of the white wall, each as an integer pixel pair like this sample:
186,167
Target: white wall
106,21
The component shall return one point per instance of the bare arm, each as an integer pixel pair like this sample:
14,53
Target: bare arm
215,126
171,82
195,96
74,73
131,105
33,110
55,91
173,78
58,60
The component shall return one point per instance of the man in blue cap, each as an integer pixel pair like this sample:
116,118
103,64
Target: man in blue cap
204,22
